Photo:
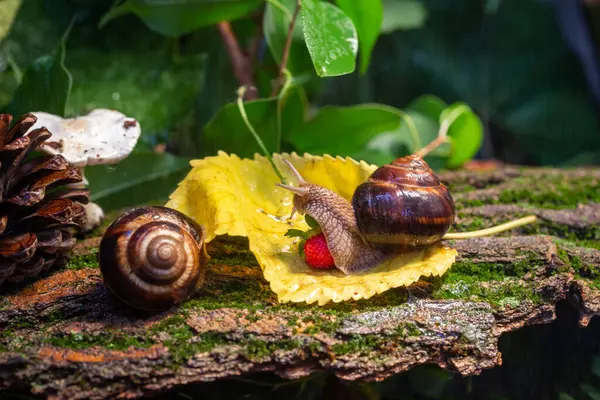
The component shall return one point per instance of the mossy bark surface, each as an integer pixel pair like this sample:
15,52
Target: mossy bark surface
63,335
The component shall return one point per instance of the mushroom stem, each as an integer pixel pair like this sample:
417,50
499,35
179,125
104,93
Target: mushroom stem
94,215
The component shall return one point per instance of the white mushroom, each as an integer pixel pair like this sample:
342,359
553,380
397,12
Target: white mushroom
101,137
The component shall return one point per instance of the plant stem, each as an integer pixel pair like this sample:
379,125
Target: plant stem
493,230
286,49
242,66
412,128
280,100
443,132
240,103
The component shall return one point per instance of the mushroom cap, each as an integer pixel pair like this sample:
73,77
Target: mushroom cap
101,137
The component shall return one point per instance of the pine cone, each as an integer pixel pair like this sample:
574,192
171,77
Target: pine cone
38,217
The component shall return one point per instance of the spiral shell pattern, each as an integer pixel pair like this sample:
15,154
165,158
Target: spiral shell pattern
153,257
403,204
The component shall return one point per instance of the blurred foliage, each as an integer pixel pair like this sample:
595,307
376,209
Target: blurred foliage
503,63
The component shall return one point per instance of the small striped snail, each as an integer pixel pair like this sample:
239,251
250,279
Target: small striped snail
153,257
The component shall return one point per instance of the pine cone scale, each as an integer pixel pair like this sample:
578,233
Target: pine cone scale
78,195
18,248
39,216
7,269
18,130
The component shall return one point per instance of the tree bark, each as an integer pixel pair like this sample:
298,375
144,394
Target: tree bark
64,336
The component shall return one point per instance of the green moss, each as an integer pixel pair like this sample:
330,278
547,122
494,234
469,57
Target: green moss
558,193
495,283
494,271
83,261
327,325
547,192
258,349
583,270
359,344
238,259
250,294
112,340
183,342
407,329
508,293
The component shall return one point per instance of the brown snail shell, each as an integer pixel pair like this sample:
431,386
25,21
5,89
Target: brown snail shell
153,257
403,204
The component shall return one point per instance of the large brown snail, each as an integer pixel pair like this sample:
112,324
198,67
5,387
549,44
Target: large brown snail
402,206
153,257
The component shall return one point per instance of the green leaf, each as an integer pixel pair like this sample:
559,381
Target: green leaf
565,396
428,105
8,11
466,134
296,233
402,14
367,16
591,391
175,18
311,222
276,24
139,179
46,85
330,37
227,131
344,131
163,112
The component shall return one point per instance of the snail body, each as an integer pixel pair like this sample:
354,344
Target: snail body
153,257
401,206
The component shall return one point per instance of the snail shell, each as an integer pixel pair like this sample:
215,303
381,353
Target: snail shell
403,204
153,257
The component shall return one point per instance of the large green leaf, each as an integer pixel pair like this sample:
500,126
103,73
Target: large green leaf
124,86
139,179
428,105
402,14
8,10
46,85
175,18
366,16
276,24
377,133
344,131
466,134
228,132
330,37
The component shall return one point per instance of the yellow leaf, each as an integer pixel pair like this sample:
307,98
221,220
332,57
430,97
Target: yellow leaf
238,197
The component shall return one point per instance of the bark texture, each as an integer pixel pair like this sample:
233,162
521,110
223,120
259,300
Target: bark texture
64,336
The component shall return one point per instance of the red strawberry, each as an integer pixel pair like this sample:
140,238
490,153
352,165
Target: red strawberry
316,253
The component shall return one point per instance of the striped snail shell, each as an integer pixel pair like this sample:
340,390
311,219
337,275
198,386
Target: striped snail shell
403,203
153,257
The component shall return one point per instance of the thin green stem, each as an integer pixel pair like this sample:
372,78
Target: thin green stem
280,98
443,132
281,8
412,128
491,231
14,67
240,104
